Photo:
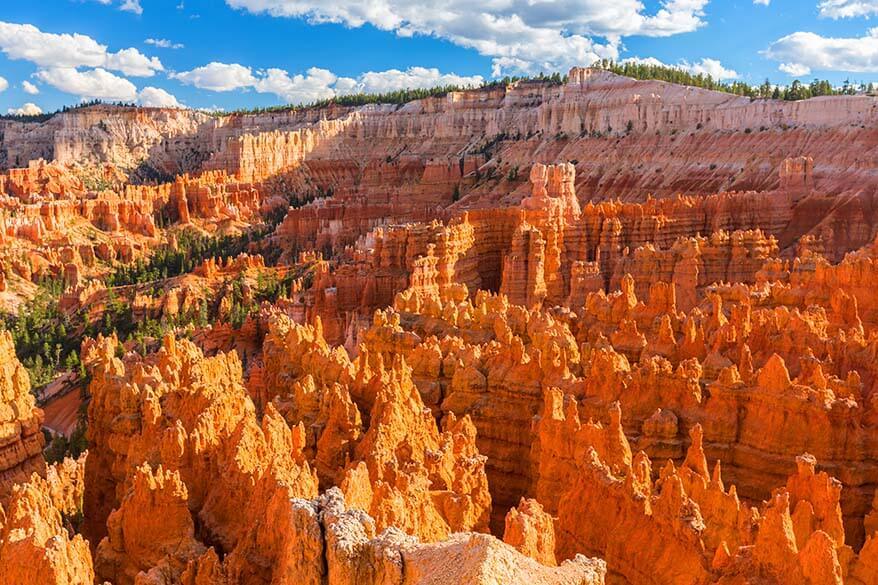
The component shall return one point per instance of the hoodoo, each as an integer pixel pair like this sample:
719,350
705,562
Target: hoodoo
557,331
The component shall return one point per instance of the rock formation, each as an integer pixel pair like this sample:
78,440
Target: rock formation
35,545
21,441
627,326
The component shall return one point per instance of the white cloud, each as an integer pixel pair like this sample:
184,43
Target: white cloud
645,61
847,8
794,69
126,5
762,2
519,35
132,6
133,62
412,78
298,88
3,84
155,97
218,77
27,42
28,109
316,84
91,84
805,51
29,87
710,67
164,44
705,66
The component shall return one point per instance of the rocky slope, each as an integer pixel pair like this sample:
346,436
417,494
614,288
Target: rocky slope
609,331
629,138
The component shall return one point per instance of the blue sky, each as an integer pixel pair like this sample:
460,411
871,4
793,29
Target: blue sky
243,53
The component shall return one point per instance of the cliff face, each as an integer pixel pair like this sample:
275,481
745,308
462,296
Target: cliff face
95,135
21,441
620,131
715,161
550,250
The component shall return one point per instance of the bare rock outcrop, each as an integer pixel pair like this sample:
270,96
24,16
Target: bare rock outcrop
21,441
35,545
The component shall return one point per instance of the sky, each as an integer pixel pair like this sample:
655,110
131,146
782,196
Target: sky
228,54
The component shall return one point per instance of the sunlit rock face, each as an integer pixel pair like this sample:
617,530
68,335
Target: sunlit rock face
21,442
602,331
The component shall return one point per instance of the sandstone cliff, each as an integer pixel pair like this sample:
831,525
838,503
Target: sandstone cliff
21,441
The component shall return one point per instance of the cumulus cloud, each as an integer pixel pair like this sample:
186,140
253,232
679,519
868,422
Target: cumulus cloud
847,8
29,87
133,62
801,52
28,109
519,35
316,84
27,42
3,84
762,2
705,66
710,67
298,89
91,84
412,78
218,77
131,6
794,69
164,44
156,97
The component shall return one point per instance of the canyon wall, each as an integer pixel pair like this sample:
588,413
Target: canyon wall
739,141
627,326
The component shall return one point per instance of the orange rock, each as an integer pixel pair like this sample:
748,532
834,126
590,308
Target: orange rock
412,476
21,441
531,531
460,341
35,545
151,531
190,414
